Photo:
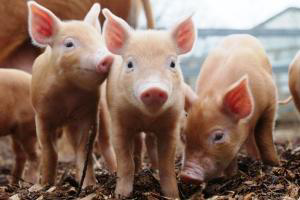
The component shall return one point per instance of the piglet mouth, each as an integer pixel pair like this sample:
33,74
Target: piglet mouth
84,69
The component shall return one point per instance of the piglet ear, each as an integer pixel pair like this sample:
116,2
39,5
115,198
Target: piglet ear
184,34
238,101
92,17
116,32
43,24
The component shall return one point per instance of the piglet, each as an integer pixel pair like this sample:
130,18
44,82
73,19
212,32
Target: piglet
144,94
235,104
294,83
65,83
17,120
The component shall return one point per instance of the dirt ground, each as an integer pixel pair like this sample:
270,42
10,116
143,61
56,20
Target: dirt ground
253,181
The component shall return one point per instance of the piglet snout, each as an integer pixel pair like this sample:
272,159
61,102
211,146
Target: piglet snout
105,64
192,174
154,96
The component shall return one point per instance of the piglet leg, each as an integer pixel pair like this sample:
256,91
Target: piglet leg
123,143
88,129
166,146
46,135
104,138
251,147
138,151
20,160
29,147
232,168
264,138
151,146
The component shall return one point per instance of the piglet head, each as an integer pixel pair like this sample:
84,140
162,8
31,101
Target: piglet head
75,48
215,131
150,74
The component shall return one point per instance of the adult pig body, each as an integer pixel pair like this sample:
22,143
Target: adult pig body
16,48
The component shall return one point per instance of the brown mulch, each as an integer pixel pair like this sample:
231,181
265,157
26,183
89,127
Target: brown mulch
253,181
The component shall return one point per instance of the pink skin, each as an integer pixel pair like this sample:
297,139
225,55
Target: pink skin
17,121
145,94
65,85
234,106
192,174
154,96
105,64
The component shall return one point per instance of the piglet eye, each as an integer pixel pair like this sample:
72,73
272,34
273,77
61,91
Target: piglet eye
218,137
172,64
129,65
69,43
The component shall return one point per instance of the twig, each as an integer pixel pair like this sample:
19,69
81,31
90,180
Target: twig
89,145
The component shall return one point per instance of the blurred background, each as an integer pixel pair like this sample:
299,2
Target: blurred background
275,23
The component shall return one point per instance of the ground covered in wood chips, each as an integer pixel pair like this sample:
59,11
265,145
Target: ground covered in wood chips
252,181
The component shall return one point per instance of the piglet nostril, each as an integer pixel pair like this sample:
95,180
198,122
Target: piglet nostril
162,95
154,96
105,64
147,95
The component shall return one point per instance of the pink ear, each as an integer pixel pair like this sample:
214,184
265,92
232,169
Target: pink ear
92,17
238,100
43,24
185,35
116,32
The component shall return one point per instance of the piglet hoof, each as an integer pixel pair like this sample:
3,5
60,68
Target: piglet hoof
268,165
31,177
172,195
112,167
123,192
272,162
88,182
